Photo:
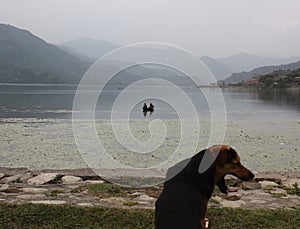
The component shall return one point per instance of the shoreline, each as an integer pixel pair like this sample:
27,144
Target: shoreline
83,188
88,173
49,144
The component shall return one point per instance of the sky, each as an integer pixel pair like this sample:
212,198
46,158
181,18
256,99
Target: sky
216,28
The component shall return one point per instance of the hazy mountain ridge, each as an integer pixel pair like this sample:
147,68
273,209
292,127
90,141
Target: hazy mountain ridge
21,51
222,68
243,76
218,69
26,58
88,48
246,62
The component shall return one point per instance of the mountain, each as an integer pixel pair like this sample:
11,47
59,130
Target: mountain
26,58
243,76
91,50
88,48
246,62
219,70
223,68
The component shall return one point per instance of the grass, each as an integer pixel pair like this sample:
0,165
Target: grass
47,216
109,190
55,192
268,188
295,190
212,200
130,203
278,195
106,190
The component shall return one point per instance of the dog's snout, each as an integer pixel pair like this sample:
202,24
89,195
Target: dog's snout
245,174
250,176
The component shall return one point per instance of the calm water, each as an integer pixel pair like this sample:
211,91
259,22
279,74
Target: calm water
56,101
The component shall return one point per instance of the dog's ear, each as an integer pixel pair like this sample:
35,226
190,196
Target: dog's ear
231,155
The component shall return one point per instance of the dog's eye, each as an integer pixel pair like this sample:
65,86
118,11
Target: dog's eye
236,162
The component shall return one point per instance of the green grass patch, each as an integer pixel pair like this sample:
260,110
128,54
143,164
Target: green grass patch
295,190
56,180
130,203
109,190
106,190
55,192
268,188
263,218
278,195
48,216
212,200
137,181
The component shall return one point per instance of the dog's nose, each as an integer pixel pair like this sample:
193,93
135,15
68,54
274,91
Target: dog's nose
251,176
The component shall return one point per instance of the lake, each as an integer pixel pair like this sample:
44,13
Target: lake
56,101
36,127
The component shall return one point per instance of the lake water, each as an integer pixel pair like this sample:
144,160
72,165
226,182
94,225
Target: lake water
56,101
263,126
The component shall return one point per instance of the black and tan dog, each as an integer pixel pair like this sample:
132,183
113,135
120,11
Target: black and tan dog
183,201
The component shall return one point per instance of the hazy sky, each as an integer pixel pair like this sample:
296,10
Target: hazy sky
216,28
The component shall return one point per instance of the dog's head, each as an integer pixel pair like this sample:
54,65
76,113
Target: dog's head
228,162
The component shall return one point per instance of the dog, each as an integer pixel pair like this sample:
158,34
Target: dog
184,199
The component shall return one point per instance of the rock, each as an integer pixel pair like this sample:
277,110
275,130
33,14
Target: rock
232,204
114,200
270,176
145,198
232,197
135,194
258,201
266,184
35,190
30,197
43,178
55,202
2,175
250,185
278,191
26,177
4,187
85,205
13,171
10,179
70,179
95,181
289,183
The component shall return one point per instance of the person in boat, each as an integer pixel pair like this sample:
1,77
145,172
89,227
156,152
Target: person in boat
145,109
151,108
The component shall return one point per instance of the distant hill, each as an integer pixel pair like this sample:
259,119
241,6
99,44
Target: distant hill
246,62
219,70
91,50
280,79
243,76
88,48
223,68
25,58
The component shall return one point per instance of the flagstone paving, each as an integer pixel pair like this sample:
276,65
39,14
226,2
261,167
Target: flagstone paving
17,186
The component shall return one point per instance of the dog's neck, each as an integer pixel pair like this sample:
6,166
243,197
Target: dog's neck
204,182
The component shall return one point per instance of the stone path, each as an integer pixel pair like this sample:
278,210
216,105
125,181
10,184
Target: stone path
270,190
